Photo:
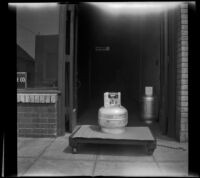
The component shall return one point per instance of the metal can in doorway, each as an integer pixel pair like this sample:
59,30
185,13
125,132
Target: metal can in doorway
148,103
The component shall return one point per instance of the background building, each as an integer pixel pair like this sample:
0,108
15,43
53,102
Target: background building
69,72
25,63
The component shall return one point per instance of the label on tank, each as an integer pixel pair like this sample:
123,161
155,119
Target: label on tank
112,99
109,116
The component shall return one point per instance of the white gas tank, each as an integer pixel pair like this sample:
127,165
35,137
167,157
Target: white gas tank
112,117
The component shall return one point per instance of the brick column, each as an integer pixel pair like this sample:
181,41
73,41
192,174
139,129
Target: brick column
182,74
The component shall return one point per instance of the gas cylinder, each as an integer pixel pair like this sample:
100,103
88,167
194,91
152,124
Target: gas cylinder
112,117
148,103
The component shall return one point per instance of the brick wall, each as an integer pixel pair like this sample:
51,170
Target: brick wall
36,119
182,73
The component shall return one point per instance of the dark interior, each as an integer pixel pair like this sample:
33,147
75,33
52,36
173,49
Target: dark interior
129,63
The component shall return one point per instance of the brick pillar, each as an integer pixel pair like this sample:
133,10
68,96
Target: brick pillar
182,74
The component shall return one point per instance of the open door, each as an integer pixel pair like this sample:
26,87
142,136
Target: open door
164,74
171,89
168,75
150,55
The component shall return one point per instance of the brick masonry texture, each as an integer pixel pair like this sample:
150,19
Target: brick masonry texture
37,119
182,73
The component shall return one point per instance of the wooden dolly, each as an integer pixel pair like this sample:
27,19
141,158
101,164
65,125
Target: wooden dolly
131,136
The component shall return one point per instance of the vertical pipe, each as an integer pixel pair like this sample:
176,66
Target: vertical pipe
71,82
75,58
161,64
61,70
165,68
140,59
89,73
141,67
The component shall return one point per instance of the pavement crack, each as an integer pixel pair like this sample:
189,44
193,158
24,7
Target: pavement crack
94,167
95,163
156,163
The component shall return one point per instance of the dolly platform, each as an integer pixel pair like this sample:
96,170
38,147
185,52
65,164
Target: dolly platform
131,136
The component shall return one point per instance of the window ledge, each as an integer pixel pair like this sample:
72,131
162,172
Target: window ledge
38,90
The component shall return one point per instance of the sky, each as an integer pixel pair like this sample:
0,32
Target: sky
33,21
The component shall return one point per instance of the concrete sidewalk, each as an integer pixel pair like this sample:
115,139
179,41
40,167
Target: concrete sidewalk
53,157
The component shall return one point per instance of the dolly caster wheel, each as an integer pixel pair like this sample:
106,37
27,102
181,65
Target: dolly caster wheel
74,150
150,149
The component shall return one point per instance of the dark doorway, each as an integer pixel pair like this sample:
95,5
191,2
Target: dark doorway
119,54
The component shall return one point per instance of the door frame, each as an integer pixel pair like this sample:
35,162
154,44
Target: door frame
164,84
67,55
171,89
167,114
61,70
163,74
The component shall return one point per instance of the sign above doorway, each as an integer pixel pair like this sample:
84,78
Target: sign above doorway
102,48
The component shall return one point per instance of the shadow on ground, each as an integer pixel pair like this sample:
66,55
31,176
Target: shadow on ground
105,149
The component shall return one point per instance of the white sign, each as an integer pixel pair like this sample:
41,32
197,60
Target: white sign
102,48
112,99
148,91
21,79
